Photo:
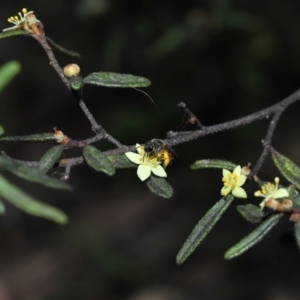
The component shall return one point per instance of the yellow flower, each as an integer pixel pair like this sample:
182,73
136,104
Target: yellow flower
146,162
271,191
233,182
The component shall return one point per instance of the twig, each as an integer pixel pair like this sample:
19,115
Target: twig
190,116
266,144
175,139
41,38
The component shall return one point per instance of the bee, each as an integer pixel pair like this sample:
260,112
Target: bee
160,150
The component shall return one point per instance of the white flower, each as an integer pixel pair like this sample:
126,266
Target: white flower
271,191
146,162
233,182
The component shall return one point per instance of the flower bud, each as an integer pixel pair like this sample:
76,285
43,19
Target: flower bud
71,70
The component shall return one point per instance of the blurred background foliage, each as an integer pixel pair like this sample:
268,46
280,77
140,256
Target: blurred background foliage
224,59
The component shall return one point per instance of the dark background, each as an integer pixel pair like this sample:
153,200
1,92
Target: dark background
225,59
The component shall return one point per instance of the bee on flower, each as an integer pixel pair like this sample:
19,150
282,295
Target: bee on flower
148,163
159,149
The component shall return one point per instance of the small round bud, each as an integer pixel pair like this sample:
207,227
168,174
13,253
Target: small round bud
58,135
246,170
71,70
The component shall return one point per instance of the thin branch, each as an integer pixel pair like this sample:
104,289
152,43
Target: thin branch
192,119
41,38
266,144
175,139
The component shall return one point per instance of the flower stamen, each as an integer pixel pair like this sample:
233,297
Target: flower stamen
27,21
271,192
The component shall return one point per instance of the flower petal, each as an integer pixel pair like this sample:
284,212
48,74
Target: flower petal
281,193
237,170
239,192
134,157
241,180
226,172
159,171
225,190
143,172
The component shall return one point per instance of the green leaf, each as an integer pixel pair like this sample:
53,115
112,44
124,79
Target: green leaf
121,161
31,174
160,187
28,204
2,208
297,232
50,158
76,82
39,137
251,213
110,79
287,168
295,197
1,130
296,203
97,160
213,163
8,72
8,34
254,237
62,49
203,228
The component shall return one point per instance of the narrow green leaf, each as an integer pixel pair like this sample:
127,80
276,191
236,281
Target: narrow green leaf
8,34
8,72
50,158
1,130
160,187
254,237
296,203
213,163
2,207
32,174
110,79
28,204
295,197
203,228
97,160
287,168
121,161
40,137
297,233
62,49
76,82
251,213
